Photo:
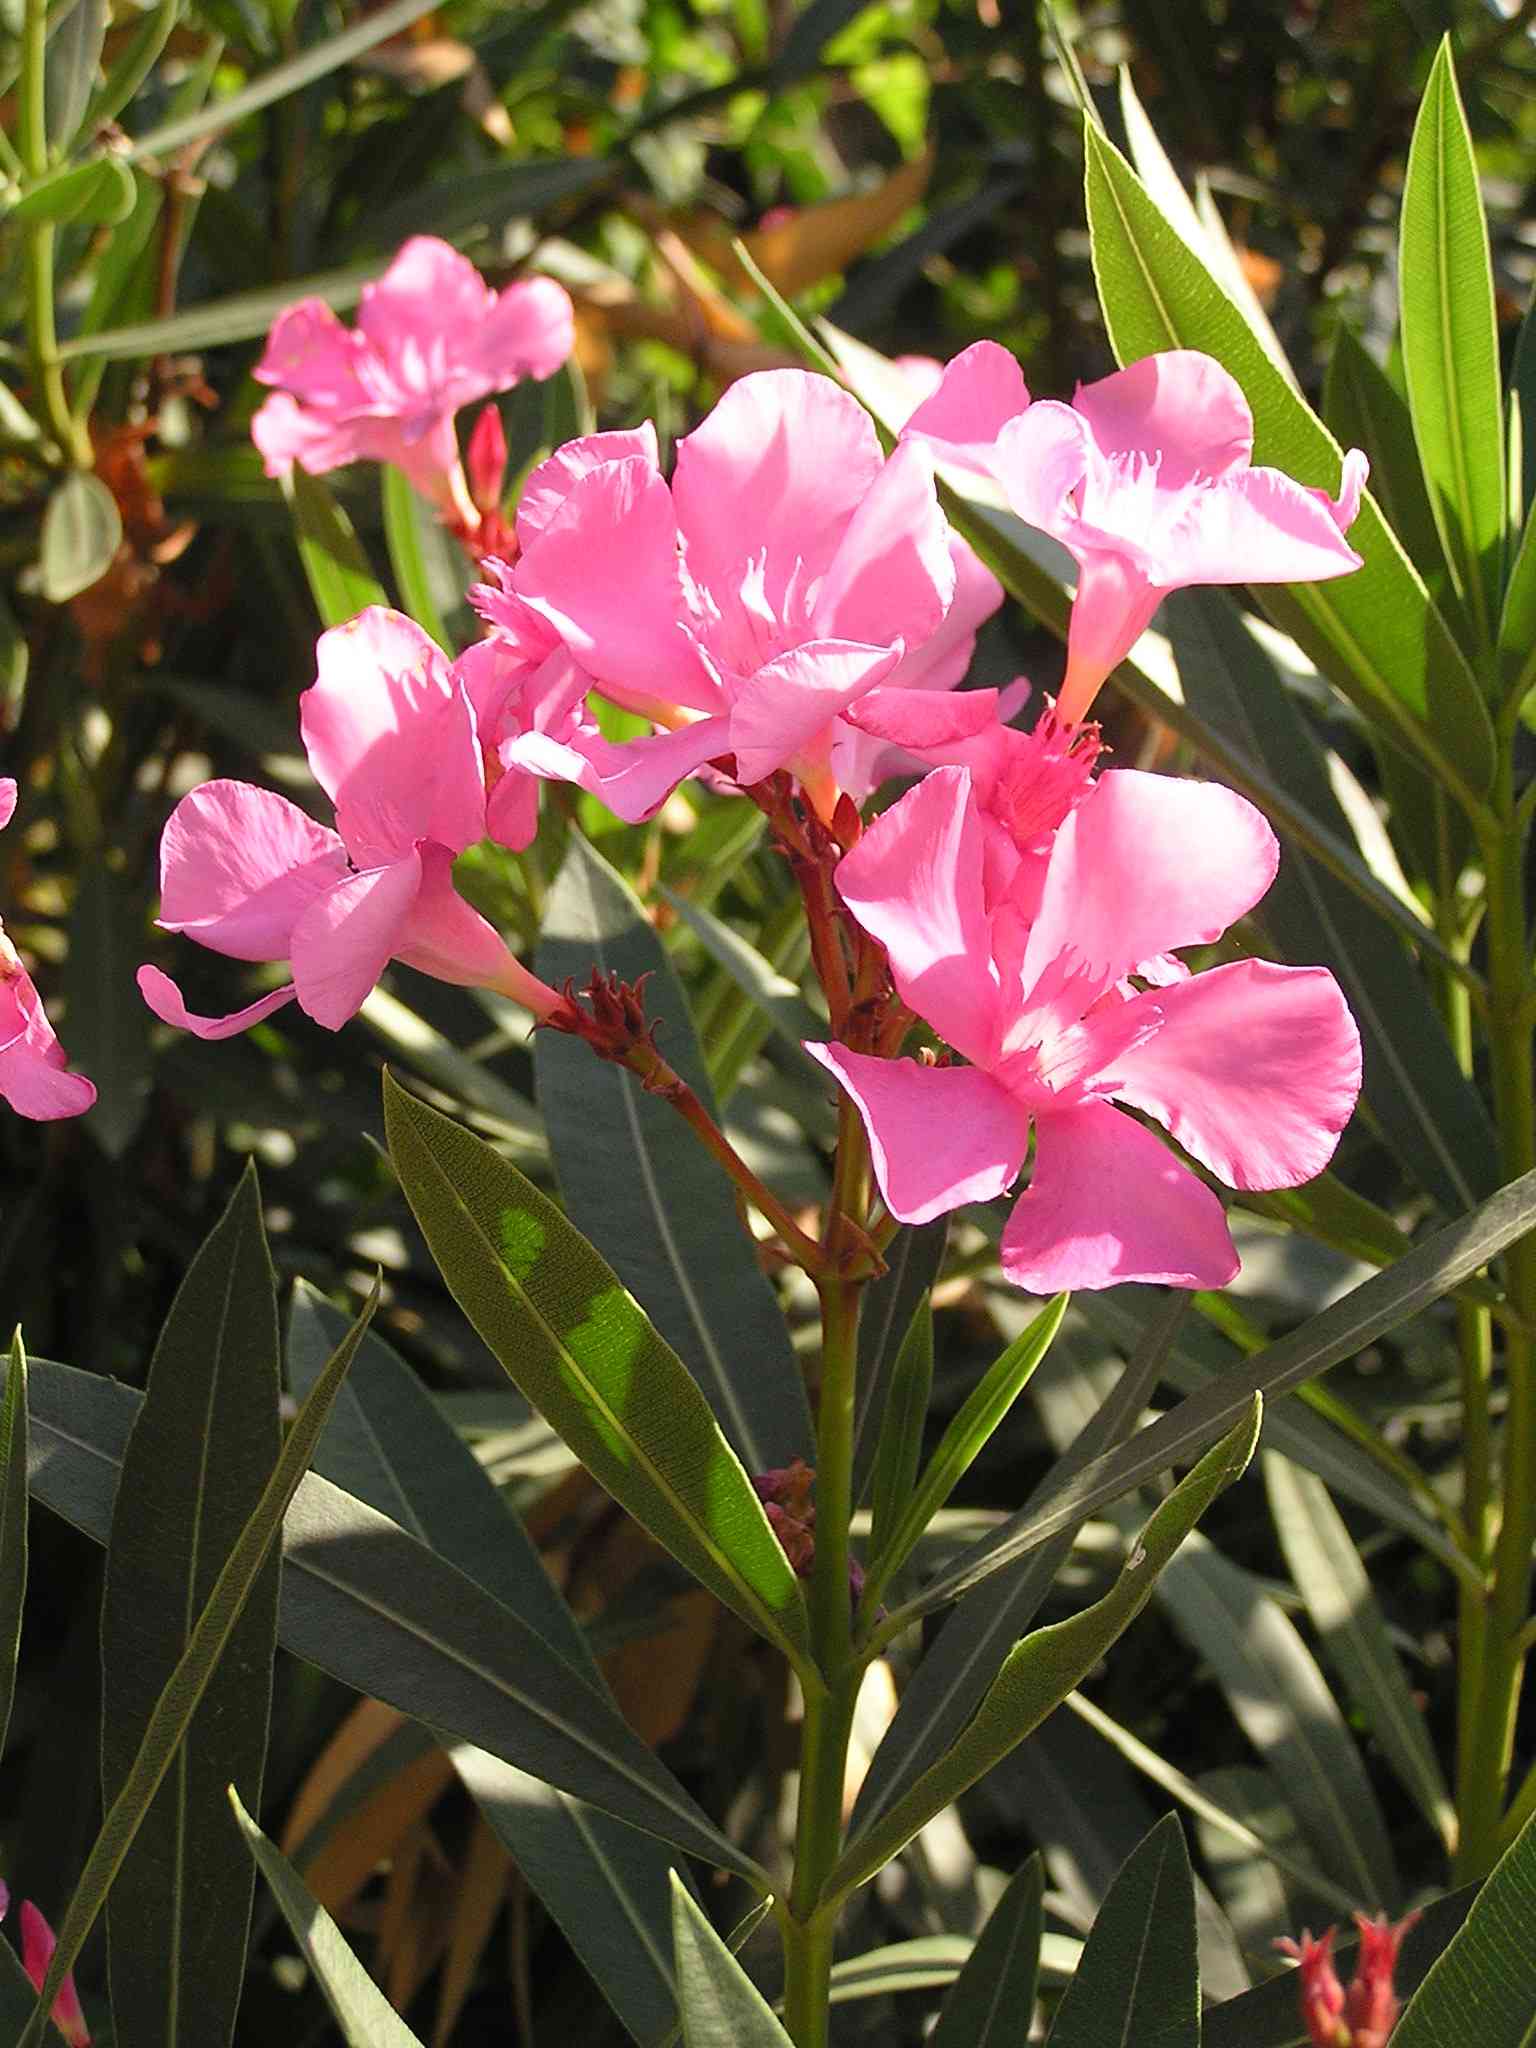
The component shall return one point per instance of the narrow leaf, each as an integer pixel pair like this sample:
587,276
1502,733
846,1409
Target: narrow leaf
379,1611
430,568
994,1995
1332,1579
1138,1984
201,1452
721,2006
183,1691
362,2012
81,532
900,1450
774,994
1363,408
1451,344
340,579
637,1182
912,1263
109,1026
98,193
1482,1991
74,51
1042,1669
1376,633
1367,1312
13,1525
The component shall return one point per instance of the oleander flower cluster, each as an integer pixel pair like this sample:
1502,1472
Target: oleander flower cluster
790,618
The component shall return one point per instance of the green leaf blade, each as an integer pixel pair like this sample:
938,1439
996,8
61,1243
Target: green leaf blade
721,2006
1481,1993
1138,1983
202,1449
82,529
340,579
994,1995
13,1525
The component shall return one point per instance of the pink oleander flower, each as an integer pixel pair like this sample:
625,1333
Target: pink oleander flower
787,570
1147,479
389,727
961,406
37,1947
1254,1068
431,337
32,1061
1364,2016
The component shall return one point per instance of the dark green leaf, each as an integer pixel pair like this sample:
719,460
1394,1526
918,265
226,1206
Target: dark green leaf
1522,384
479,200
1375,633
912,1262
201,1452
237,318
1482,1991
1428,1110
108,1022
385,1615
430,567
721,2006
1363,408
81,532
637,1182
13,1525
361,2011
1451,344
1138,1984
175,1709
134,63
389,1443
769,991
74,51
1039,1672
900,1449
1367,1312
340,578
994,1994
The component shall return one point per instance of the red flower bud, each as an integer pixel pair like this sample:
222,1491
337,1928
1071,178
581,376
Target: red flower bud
1371,2009
487,460
1321,1993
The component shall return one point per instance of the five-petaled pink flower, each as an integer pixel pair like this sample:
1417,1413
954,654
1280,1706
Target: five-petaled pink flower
37,1947
1147,479
787,570
1253,1067
430,337
32,1062
390,730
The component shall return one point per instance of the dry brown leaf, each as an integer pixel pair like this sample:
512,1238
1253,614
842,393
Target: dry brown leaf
417,1915
808,243
349,1856
366,1728
481,1889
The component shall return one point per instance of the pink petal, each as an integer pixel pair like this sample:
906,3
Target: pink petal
1258,527
1114,606
1181,408
443,936
428,294
529,332
1040,459
32,1062
346,938
7,800
238,865
604,573
1146,864
793,698
919,719
37,1947
165,999
550,483
391,739
1255,1071
940,663
285,434
310,354
634,778
938,1136
1107,1202
914,882
776,471
892,576
981,389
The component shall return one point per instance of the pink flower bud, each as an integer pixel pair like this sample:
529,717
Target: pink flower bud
487,460
1372,2006
37,1946
1321,1993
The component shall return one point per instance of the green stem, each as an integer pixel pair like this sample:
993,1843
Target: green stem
42,337
1488,1748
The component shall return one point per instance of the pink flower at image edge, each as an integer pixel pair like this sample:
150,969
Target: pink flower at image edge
37,1947
33,1079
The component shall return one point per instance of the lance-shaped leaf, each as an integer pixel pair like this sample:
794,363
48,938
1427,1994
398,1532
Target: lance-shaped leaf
637,1182
340,579
379,1611
362,2012
13,1525
1364,409
1482,1991
994,1994
183,1692
983,1409
578,1345
900,1450
1375,633
912,1263
1367,1312
1451,343
606,1884
429,565
1138,1984
1040,1671
721,2006
201,1452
